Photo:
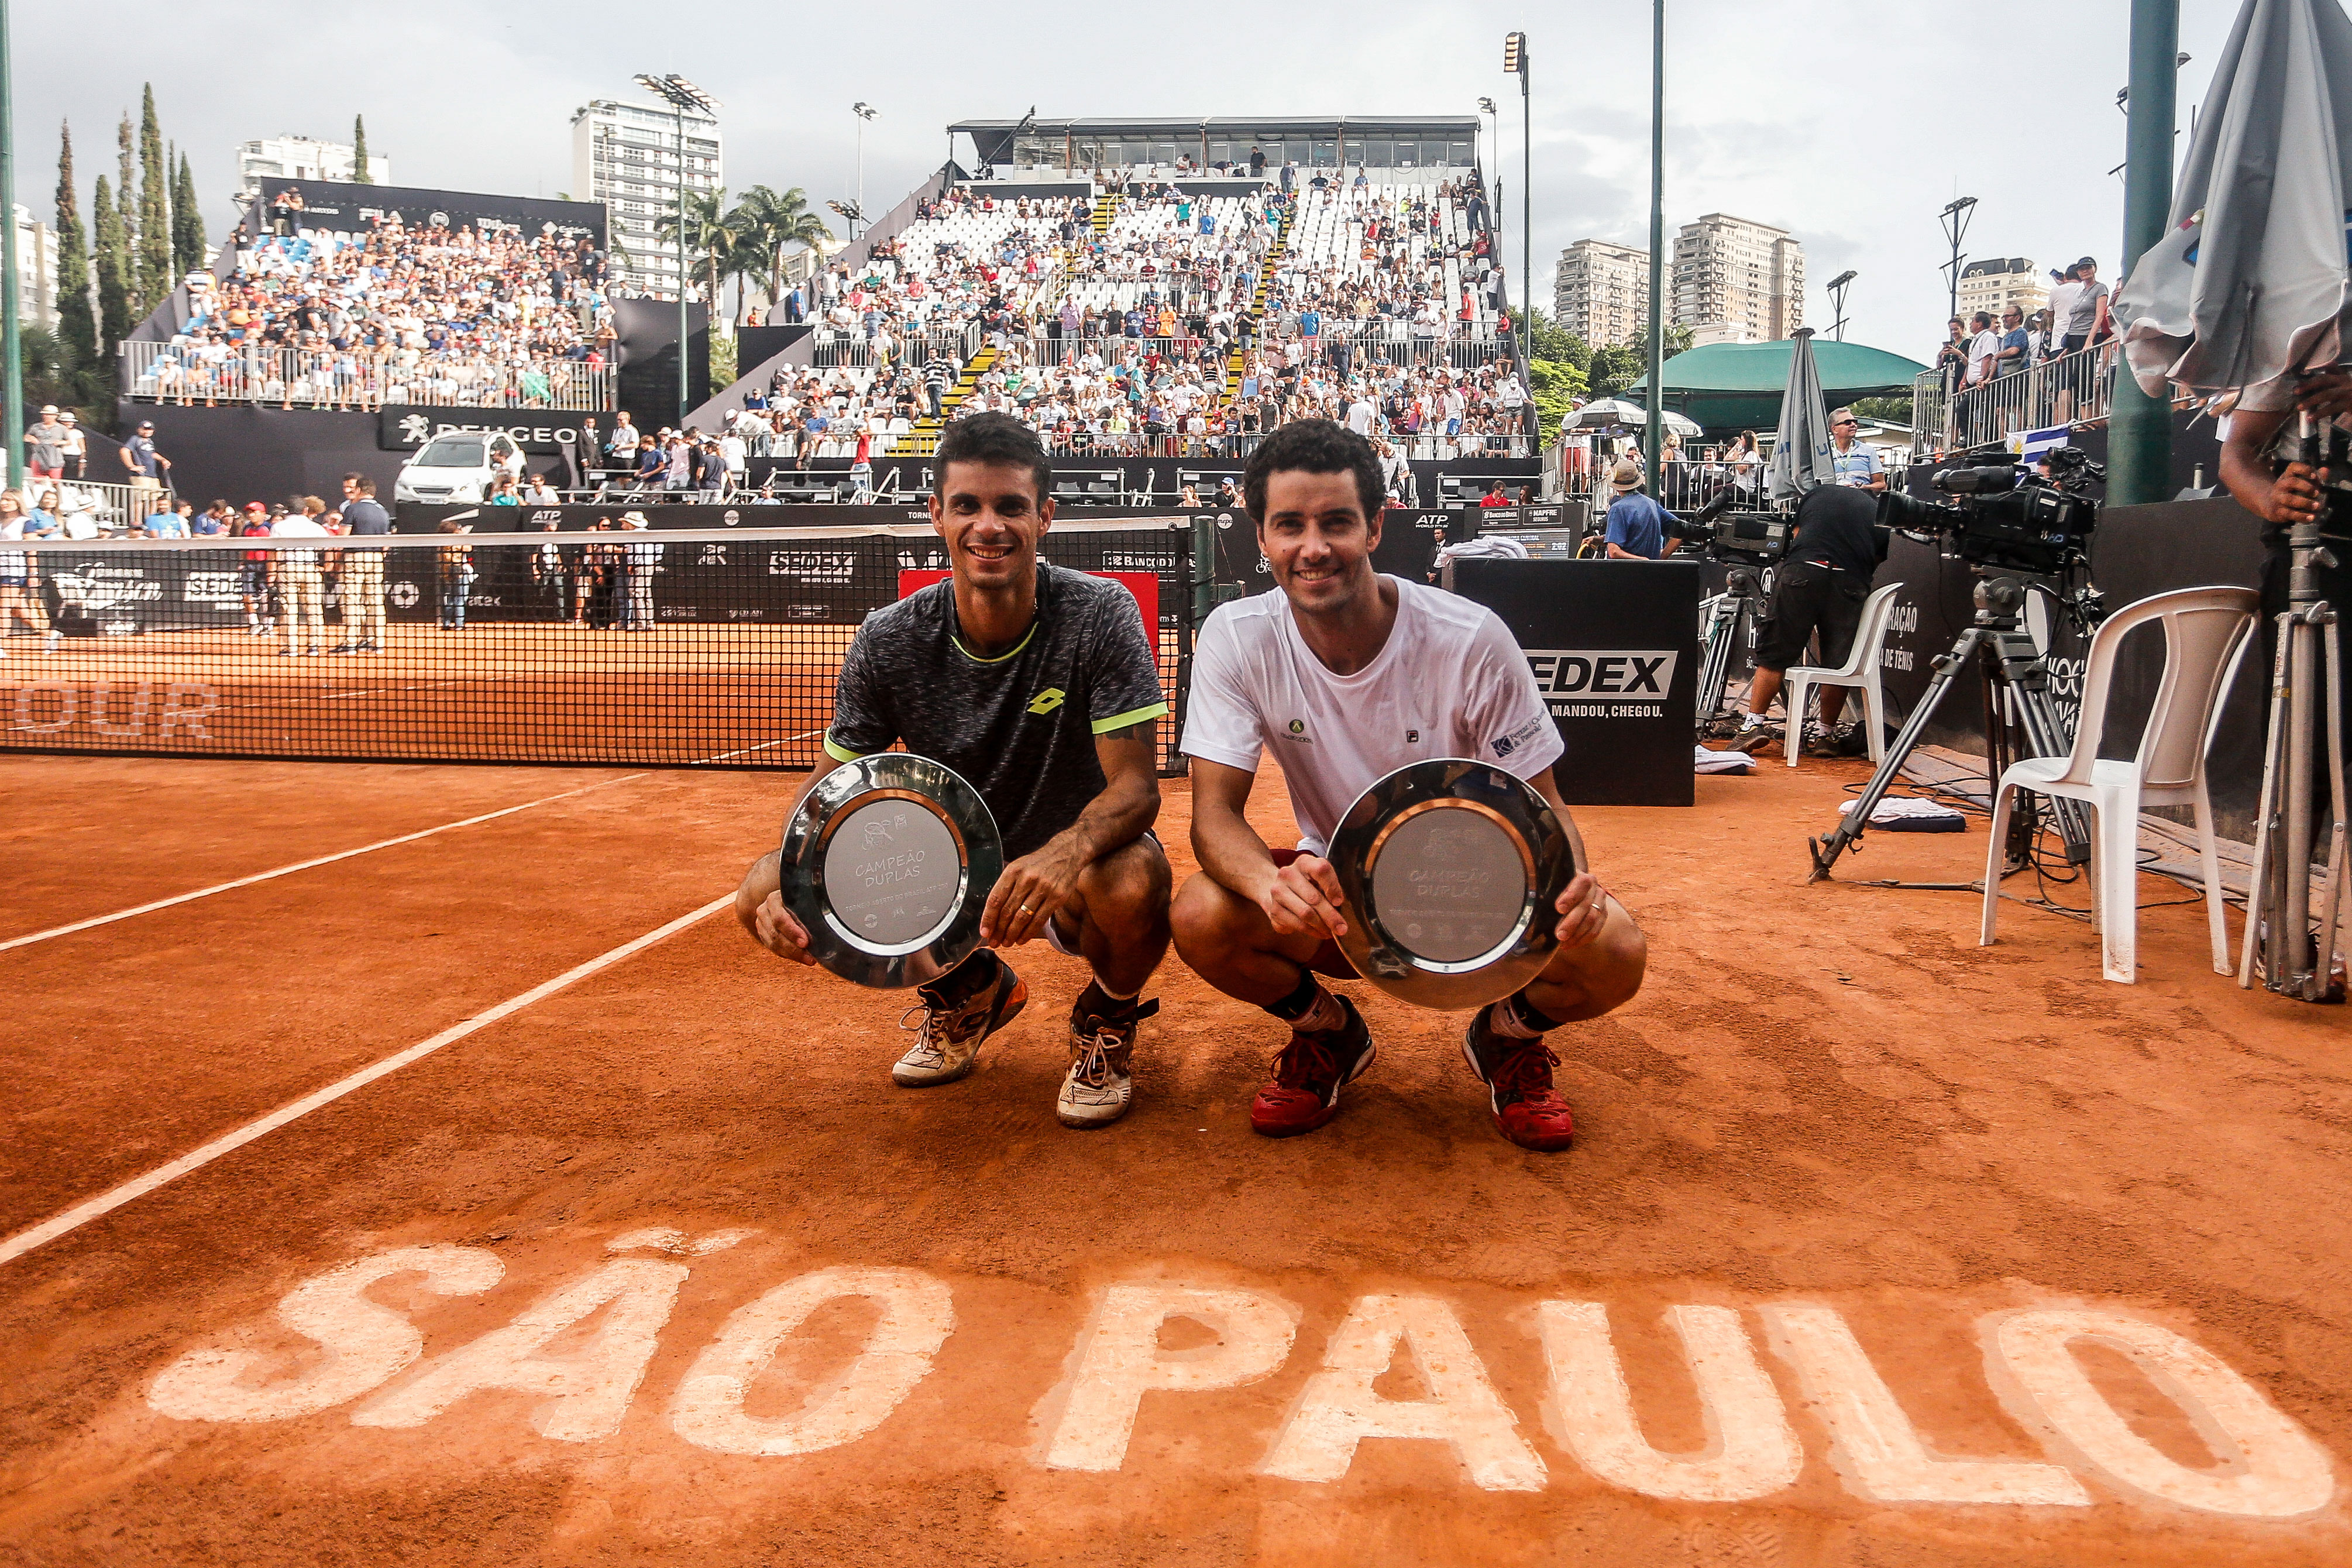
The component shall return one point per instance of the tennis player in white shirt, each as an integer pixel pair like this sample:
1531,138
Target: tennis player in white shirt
1347,675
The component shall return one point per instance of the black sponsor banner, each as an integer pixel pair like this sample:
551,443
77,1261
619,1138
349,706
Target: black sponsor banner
126,592
1613,648
404,428
335,205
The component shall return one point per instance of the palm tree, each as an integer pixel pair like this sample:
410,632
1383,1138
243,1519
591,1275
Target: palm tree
768,223
710,244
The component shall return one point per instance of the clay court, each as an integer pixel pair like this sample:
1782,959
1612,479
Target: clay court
1850,1197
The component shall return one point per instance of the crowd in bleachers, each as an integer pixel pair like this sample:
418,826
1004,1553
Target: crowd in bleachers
390,315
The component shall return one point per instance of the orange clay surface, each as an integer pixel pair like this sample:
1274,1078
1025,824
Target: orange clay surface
1839,1172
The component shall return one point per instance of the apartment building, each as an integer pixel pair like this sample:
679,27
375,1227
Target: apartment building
627,156
1601,291
1737,281
1998,282
300,158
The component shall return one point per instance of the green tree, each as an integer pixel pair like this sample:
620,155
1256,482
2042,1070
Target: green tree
1556,382
154,246
1548,340
1894,410
768,225
360,175
54,373
114,317
126,204
712,249
187,222
77,324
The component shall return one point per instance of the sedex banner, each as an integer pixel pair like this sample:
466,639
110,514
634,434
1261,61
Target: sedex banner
1613,648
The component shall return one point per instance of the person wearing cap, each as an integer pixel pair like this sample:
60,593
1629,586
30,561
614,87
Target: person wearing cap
2084,325
640,558
146,464
44,444
1637,525
253,574
77,444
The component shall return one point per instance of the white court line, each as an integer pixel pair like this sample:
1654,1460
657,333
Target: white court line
299,866
23,1242
763,745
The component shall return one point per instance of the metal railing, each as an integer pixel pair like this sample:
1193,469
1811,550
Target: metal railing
192,375
2063,389
88,508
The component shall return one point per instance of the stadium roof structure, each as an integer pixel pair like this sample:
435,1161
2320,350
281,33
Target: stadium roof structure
1738,386
992,139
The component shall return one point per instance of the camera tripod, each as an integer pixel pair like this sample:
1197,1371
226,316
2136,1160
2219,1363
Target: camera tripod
2004,651
2278,904
1733,610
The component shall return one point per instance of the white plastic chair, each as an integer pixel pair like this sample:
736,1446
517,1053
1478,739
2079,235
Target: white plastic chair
2205,635
1860,670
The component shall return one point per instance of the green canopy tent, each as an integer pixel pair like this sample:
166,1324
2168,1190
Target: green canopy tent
1731,387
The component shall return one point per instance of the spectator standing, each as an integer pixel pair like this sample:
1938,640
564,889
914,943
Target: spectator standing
457,571
45,445
550,571
737,456
861,470
938,371
2087,321
300,587
1636,524
640,557
77,446
255,574
147,466
362,577
623,447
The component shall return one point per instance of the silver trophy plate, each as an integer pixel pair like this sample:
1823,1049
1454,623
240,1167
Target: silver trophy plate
1448,873
888,864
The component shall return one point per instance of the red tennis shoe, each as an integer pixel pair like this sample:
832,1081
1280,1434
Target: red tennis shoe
1304,1092
1518,1075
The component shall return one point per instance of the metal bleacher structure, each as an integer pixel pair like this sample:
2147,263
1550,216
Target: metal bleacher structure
1112,181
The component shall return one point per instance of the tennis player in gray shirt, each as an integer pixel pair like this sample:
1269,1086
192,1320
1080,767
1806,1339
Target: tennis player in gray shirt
1040,686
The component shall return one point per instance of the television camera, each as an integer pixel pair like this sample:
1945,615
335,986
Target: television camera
2004,516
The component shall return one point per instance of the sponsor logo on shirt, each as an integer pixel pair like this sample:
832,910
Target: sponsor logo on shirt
1298,728
1506,744
1412,737
1046,701
1614,672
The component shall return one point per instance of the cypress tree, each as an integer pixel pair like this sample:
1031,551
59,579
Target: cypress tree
114,318
76,323
154,255
188,248
126,230
360,175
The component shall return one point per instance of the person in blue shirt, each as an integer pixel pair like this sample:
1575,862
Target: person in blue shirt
1858,465
168,522
1637,525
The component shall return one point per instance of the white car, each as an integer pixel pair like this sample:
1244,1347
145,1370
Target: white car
460,466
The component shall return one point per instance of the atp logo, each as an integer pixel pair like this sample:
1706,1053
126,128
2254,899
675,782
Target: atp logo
1046,701
414,428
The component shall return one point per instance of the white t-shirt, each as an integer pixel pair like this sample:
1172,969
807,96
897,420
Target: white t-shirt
298,528
1449,682
1983,351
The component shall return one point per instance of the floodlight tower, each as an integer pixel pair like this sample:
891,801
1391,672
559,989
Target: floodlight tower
1514,63
681,95
1838,286
865,111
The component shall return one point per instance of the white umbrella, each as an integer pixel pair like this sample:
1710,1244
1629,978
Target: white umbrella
2249,284
1606,412
1801,457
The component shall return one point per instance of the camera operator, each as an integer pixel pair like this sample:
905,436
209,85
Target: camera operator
2290,496
1819,588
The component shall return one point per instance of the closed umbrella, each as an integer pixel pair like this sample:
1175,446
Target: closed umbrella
1801,455
2249,283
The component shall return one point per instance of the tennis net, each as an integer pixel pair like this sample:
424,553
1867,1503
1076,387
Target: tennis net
658,647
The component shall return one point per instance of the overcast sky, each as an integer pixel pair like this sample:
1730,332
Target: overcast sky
1850,125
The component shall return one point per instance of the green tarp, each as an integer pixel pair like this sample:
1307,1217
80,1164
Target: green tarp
1731,387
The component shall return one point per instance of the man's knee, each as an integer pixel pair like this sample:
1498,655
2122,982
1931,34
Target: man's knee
1607,972
1127,891
1208,920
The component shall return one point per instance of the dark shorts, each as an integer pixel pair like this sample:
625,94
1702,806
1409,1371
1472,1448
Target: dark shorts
1808,597
253,577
